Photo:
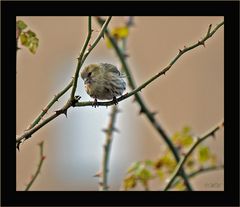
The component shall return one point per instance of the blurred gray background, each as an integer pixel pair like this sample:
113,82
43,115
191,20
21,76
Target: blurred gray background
190,94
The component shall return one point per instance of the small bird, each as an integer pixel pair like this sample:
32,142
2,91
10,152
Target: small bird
103,81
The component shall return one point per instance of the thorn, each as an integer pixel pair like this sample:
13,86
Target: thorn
154,113
115,129
213,135
141,111
183,153
18,145
209,29
55,97
103,36
98,174
43,157
180,51
89,45
126,55
65,113
184,47
201,43
105,130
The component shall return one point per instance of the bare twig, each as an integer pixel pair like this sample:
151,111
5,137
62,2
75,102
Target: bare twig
34,177
103,184
184,159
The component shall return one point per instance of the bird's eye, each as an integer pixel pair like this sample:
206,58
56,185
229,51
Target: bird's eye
89,74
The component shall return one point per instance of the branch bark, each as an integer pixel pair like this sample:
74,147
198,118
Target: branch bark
103,184
35,126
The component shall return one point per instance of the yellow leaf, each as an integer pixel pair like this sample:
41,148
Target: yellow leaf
120,32
129,182
108,43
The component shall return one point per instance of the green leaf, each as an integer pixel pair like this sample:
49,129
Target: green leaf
190,162
21,25
23,39
149,162
31,33
168,161
183,138
187,141
160,174
34,45
180,185
145,175
133,167
186,130
203,154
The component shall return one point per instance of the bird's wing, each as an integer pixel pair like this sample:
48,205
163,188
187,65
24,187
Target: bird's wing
111,68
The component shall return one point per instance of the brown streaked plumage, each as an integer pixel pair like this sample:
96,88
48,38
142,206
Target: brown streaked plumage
103,81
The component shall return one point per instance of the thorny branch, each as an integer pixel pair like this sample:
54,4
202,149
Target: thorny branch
103,184
162,72
184,159
143,107
73,102
34,177
35,126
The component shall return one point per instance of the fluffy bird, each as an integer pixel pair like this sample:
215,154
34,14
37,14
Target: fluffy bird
103,81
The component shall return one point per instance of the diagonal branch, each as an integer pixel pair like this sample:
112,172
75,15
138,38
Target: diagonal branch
35,126
49,105
199,171
138,98
162,72
184,159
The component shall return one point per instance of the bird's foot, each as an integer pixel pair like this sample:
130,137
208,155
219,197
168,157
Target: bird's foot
95,103
115,100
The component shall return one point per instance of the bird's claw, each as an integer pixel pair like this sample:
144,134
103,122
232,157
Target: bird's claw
95,103
115,100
